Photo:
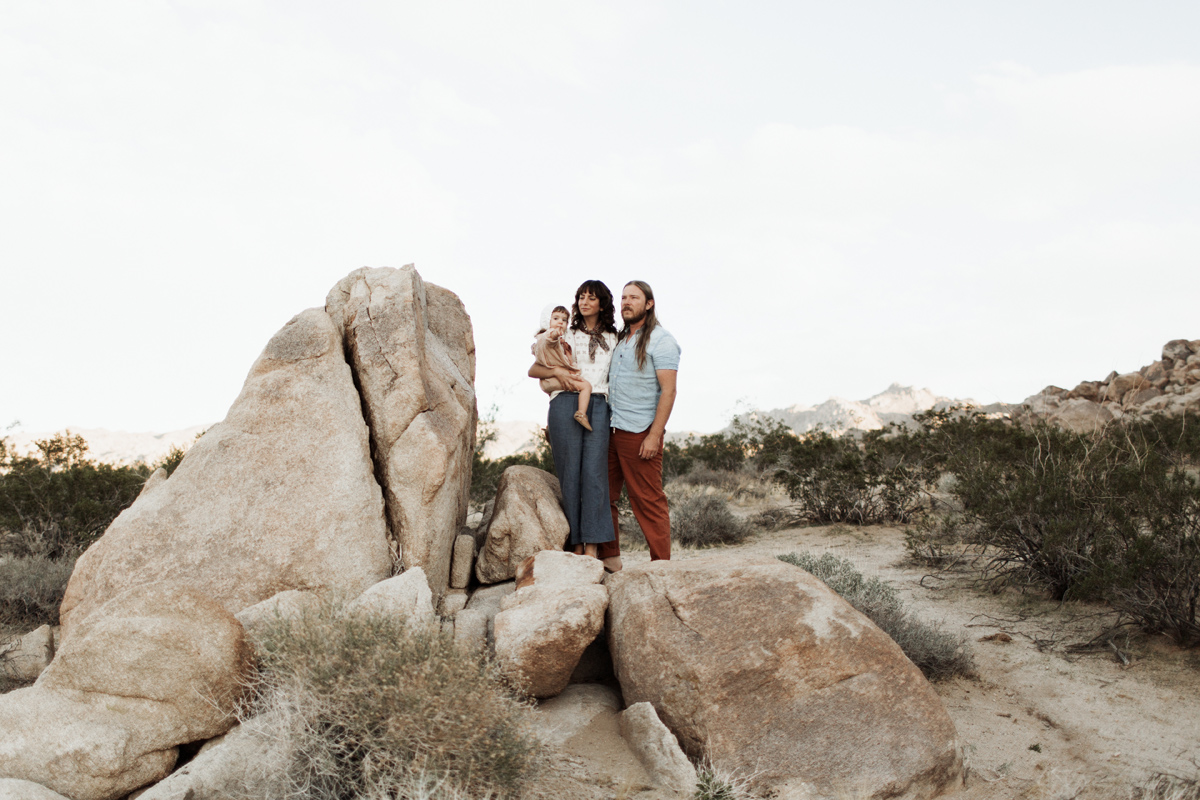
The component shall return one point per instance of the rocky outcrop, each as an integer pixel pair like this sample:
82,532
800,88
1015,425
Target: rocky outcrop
1170,386
413,354
281,495
544,627
14,789
527,518
762,668
154,668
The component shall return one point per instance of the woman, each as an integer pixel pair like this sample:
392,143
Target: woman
580,455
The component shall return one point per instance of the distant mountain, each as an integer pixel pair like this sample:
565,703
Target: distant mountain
118,447
894,404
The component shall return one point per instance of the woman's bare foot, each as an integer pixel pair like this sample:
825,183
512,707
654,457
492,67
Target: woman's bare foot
578,550
590,550
582,419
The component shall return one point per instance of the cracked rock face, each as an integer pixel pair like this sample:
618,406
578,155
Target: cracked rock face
280,495
154,668
763,668
413,354
526,518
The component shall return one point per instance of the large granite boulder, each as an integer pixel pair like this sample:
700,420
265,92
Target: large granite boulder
154,668
762,668
281,495
413,353
545,625
527,518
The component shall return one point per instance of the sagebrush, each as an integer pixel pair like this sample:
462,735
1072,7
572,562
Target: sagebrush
373,705
937,653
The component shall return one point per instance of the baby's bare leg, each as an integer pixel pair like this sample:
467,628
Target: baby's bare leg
585,396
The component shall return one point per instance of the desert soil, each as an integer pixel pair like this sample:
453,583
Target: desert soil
1043,718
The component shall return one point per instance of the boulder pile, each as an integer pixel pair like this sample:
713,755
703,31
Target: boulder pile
344,467
1169,386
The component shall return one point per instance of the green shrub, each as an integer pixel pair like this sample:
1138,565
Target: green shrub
63,497
31,590
844,479
486,472
372,706
938,654
704,520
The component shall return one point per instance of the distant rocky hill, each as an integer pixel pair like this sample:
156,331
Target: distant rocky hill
894,404
1169,386
118,447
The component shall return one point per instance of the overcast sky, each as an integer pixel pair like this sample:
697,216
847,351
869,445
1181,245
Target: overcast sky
978,198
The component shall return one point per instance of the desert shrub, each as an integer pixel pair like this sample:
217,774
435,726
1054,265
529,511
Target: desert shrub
938,654
62,496
486,472
1167,787
705,520
31,590
374,707
936,540
715,783
844,479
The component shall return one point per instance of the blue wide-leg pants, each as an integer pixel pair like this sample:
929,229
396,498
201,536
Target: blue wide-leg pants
581,461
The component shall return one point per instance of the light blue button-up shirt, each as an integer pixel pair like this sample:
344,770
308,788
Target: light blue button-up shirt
633,393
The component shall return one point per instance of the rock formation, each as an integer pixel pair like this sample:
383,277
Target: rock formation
154,668
1169,386
545,625
760,666
281,495
527,518
413,355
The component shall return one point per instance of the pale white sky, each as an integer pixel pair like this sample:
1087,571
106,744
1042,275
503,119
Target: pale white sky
980,198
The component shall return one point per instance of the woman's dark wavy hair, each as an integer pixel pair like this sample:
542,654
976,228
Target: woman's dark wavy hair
607,319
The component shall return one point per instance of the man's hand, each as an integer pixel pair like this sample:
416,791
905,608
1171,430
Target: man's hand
651,445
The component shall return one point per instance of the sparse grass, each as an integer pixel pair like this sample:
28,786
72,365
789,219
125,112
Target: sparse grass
938,654
715,783
31,590
372,708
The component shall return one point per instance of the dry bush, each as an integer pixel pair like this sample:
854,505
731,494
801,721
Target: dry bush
373,708
704,520
31,590
938,654
740,484
1168,787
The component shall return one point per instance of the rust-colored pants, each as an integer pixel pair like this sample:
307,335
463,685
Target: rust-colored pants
643,479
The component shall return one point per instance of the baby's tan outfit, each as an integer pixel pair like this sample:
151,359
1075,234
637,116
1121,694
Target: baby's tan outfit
551,354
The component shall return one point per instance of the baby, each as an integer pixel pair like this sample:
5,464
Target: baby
552,350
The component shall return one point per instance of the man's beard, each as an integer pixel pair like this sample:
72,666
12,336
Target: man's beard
634,320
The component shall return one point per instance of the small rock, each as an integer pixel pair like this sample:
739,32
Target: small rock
527,518
658,749
25,658
406,595
463,561
454,602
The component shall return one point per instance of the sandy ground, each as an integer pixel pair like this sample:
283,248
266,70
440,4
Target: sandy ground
1042,719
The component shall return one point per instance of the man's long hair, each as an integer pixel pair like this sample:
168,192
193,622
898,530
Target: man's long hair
649,323
606,321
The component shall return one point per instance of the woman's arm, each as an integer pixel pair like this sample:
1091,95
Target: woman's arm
569,379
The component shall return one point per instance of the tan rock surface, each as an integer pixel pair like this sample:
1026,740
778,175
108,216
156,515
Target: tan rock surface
463,561
281,495
13,789
542,630
406,595
658,749
413,352
156,667
527,518
764,669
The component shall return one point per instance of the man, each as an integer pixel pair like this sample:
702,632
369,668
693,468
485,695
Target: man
641,393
